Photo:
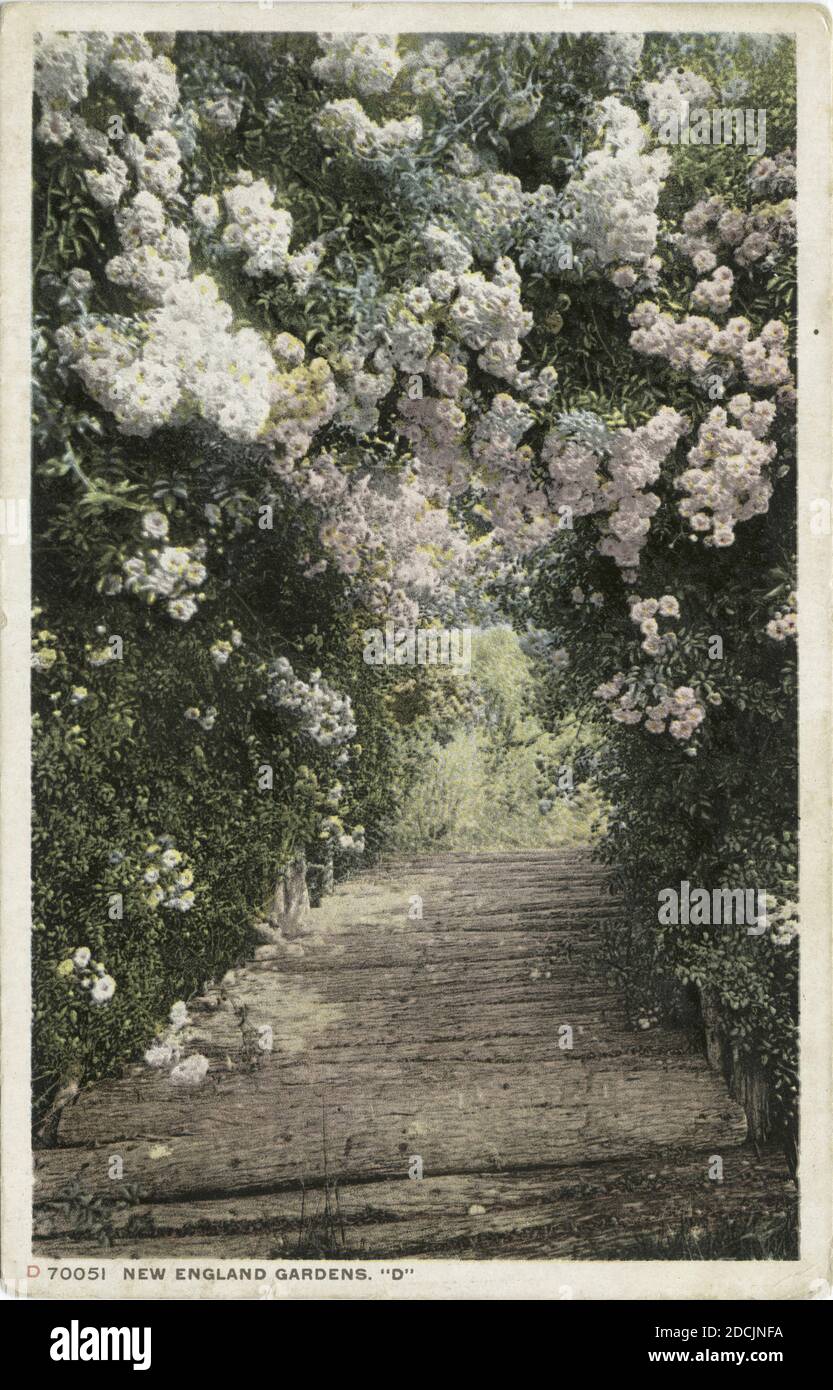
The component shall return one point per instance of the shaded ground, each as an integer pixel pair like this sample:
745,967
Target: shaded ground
439,1041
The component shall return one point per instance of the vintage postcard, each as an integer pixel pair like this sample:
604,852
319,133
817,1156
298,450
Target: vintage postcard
416,494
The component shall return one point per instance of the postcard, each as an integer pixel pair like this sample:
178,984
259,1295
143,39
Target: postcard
415,810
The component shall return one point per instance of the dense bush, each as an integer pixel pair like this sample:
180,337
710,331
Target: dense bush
332,332
706,791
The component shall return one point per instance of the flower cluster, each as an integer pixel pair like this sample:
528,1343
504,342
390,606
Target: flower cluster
183,358
693,344
610,203
485,209
60,70
783,917
633,463
712,228
595,598
345,125
257,228
435,426
322,714
88,975
156,255
445,246
679,712
647,613
497,435
714,295
156,162
784,622
410,341
223,113
774,176
222,649
152,85
66,63
432,75
334,832
44,652
166,1048
301,401
544,237
488,317
360,390
168,877
106,185
665,98
174,574
407,554
621,54
725,482
367,63
205,718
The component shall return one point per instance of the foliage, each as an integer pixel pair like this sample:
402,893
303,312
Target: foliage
479,786
333,331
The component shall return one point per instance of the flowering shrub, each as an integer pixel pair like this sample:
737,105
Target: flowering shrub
338,330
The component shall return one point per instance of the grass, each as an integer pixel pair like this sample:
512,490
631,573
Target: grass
772,1235
481,788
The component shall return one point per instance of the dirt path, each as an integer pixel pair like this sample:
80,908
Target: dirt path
399,1040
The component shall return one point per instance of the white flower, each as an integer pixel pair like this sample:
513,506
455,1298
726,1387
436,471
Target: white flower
80,281
224,113
441,285
191,1072
178,1015
418,300
103,989
155,524
624,277
183,609
206,211
161,1054
53,128
81,959
290,349
220,653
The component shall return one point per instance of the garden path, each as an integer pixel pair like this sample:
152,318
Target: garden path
401,1040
